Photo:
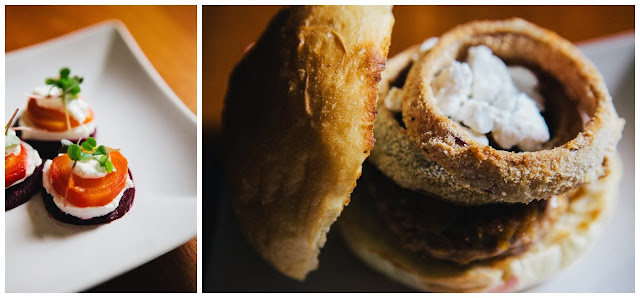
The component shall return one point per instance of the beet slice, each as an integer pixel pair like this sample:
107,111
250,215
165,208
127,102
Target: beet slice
20,193
125,204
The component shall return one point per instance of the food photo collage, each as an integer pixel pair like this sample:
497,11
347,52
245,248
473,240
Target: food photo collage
213,149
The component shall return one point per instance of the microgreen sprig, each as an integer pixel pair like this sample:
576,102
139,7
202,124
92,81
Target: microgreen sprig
10,139
90,149
70,87
6,127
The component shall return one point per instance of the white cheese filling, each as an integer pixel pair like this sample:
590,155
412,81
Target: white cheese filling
80,212
33,161
29,132
481,94
393,101
425,47
49,98
90,168
11,143
487,97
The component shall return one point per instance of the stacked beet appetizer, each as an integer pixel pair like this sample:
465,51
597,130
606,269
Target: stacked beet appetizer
89,184
22,169
54,112
82,183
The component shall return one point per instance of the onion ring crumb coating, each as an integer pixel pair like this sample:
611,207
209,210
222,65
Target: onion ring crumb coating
506,176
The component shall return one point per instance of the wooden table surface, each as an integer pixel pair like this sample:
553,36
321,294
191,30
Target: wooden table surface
167,36
226,32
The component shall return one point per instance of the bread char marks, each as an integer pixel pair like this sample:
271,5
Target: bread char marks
313,44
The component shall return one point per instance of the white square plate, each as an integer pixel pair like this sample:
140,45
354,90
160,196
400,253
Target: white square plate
135,111
608,266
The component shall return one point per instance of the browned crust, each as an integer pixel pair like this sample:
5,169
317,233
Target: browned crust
297,125
400,159
508,176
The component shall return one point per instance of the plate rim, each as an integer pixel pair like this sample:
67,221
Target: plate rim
121,29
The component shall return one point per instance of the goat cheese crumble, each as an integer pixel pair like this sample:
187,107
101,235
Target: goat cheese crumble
481,94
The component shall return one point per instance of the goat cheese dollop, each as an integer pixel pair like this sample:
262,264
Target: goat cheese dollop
49,97
488,97
11,143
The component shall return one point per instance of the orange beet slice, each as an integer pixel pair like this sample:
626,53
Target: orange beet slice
15,166
51,120
88,192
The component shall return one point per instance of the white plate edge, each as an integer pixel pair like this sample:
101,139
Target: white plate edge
132,45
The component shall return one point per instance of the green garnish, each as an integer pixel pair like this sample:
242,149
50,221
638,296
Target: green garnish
101,150
10,139
90,149
108,165
74,152
70,87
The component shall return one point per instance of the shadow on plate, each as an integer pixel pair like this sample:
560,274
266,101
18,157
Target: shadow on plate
46,226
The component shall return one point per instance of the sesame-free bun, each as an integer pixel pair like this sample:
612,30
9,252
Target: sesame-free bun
298,123
372,242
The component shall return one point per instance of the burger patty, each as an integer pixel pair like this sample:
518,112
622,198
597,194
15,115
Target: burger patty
434,228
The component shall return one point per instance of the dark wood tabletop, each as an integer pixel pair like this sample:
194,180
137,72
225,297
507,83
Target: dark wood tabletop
167,36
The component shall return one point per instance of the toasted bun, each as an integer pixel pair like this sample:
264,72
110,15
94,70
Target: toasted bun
572,234
503,175
298,123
